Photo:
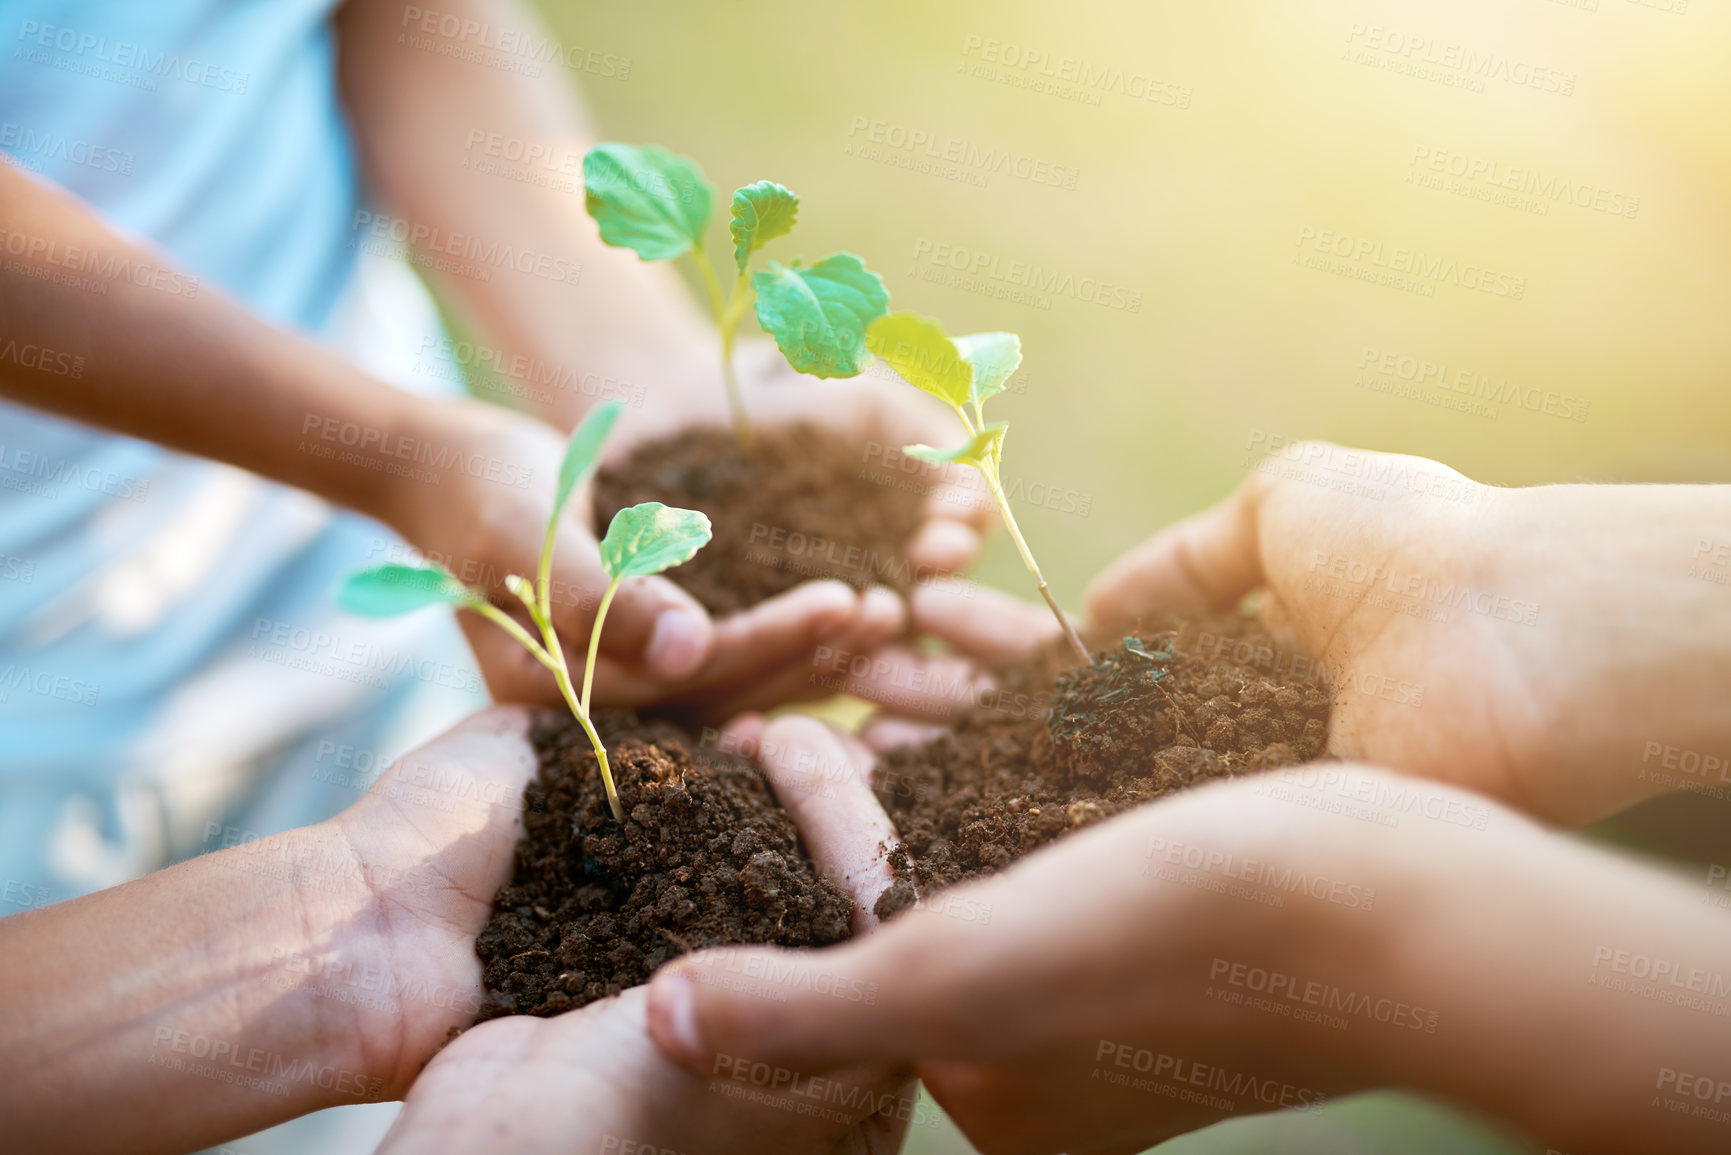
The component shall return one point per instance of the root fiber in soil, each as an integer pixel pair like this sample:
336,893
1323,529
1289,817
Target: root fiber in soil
705,857
803,504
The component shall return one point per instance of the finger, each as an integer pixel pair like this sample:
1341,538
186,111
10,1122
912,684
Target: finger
1204,563
881,617
943,545
981,621
903,998
888,733
913,684
959,495
775,632
744,734
929,985
512,674
651,622
822,779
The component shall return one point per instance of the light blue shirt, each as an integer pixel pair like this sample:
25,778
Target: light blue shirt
131,576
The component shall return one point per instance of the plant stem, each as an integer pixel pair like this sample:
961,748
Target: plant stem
509,624
726,317
580,709
544,579
595,641
563,677
1070,634
552,655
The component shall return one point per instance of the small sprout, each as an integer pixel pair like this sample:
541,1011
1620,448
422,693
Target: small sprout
963,373
1136,647
761,213
657,204
388,590
643,540
819,314
646,199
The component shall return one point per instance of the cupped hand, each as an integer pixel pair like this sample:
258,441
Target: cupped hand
1245,946
520,1085
1537,645
591,1080
876,410
485,518
429,844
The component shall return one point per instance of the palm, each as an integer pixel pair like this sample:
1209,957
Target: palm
1432,689
434,839
1422,601
529,1085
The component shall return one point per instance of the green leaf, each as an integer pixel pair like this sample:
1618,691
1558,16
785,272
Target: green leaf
818,315
387,590
646,539
583,451
983,451
923,355
993,356
761,213
646,199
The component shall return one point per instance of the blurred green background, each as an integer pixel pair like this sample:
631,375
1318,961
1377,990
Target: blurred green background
1269,122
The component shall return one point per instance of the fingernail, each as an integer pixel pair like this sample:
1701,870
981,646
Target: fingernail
677,997
676,644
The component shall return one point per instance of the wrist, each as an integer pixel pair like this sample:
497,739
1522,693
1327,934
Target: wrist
1512,933
295,967
188,996
427,453
1628,649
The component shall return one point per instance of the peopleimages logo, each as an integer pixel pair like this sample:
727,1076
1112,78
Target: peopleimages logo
1437,375
113,265
1402,261
1071,77
980,266
953,150
86,51
465,247
1526,180
1326,997
32,149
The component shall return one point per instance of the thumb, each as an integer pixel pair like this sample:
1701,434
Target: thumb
1204,563
804,1010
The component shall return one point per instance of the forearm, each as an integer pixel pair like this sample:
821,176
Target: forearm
184,1008
190,370
567,318
1601,985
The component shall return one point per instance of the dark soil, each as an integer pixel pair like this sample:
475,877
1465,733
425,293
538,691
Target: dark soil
1057,746
805,504
705,857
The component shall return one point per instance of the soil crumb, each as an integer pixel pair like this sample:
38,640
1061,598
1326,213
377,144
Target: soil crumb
1058,746
705,857
805,504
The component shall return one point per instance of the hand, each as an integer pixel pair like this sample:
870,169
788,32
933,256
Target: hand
1544,646
520,1085
485,518
272,977
1238,948
591,1080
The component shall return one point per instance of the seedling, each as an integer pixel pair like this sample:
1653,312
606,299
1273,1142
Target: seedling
657,204
963,373
642,540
